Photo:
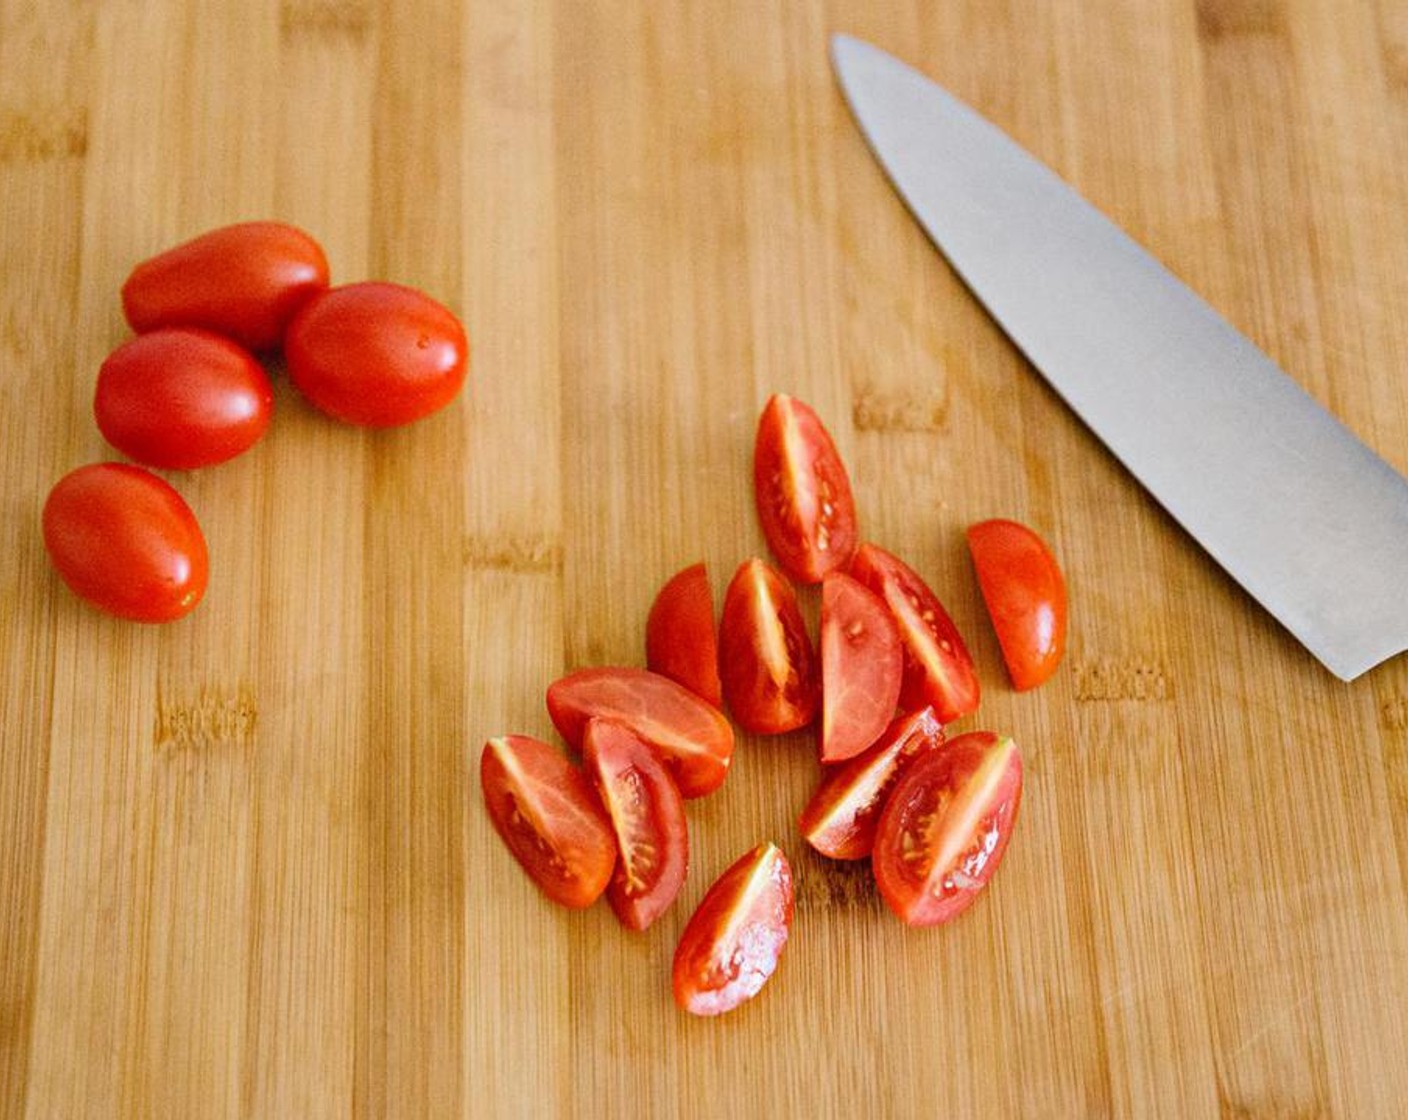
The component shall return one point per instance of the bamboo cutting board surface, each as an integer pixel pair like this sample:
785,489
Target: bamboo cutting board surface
244,865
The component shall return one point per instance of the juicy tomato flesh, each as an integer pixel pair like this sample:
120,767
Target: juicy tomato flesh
1025,595
692,737
126,542
839,820
549,817
862,665
938,669
244,281
945,827
647,817
182,398
680,639
733,941
766,660
803,493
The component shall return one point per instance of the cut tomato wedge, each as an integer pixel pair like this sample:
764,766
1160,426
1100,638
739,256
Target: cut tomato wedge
647,816
861,667
680,640
945,827
549,817
938,668
839,821
692,737
766,660
1025,595
803,493
732,943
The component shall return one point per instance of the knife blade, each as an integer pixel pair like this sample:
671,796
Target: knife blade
1309,520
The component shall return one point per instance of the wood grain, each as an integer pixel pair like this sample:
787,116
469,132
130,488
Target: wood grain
244,865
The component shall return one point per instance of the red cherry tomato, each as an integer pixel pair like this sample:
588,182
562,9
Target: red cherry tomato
377,354
647,816
680,641
802,491
125,541
1025,595
548,815
861,667
938,668
732,942
945,827
839,821
765,657
244,281
692,738
181,398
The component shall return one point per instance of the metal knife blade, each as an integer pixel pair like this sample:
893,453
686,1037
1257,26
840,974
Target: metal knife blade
1302,514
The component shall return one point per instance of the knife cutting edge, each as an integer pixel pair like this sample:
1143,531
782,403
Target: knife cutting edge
1298,510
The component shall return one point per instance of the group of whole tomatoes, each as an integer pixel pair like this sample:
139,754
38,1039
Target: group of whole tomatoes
933,815
190,391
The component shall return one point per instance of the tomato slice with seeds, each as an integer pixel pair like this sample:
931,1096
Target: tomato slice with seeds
803,493
732,943
861,667
938,668
1025,595
549,817
692,737
766,660
647,816
680,640
839,821
945,827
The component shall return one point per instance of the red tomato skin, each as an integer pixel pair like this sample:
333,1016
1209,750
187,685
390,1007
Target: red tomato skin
1025,594
680,638
647,816
549,818
919,816
692,737
938,669
244,281
766,660
862,665
722,962
839,820
803,493
181,398
377,355
125,541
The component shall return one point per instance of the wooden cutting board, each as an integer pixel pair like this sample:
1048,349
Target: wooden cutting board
244,865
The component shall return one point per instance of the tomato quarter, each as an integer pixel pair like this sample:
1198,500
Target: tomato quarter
692,737
680,639
766,660
243,281
839,821
647,816
945,827
938,668
549,817
377,354
733,941
861,667
182,398
803,493
1025,595
126,542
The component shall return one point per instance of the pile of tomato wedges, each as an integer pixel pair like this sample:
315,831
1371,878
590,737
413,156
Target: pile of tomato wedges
890,670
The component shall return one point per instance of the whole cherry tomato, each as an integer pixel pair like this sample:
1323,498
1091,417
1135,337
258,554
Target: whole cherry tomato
181,398
125,541
1025,596
244,281
377,354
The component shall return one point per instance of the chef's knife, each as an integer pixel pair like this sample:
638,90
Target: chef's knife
1301,513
